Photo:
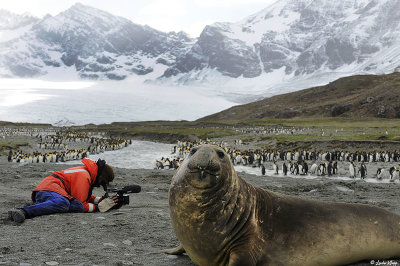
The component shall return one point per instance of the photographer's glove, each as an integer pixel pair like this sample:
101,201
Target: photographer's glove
108,203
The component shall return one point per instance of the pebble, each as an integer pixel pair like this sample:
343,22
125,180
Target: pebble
101,218
68,249
25,264
127,242
344,189
51,263
109,245
83,222
172,256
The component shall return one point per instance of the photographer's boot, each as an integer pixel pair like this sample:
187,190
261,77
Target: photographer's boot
17,215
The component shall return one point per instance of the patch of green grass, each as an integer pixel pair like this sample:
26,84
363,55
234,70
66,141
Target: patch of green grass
248,139
294,138
317,137
201,132
11,145
331,122
218,135
333,128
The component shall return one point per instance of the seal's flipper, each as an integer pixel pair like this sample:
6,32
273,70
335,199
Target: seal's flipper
179,250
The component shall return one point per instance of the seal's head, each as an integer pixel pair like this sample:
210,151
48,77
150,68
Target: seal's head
205,167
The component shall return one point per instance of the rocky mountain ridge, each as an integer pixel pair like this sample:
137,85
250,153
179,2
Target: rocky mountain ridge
300,38
96,44
290,45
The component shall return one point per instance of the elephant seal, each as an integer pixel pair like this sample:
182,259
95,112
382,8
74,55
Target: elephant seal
220,219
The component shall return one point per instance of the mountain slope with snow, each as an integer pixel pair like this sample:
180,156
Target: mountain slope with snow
296,40
290,45
92,43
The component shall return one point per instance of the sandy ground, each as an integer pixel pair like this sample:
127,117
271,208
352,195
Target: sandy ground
136,233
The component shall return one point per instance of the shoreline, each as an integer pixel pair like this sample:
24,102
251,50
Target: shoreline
137,233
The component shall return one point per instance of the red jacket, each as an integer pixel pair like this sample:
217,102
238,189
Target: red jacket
78,182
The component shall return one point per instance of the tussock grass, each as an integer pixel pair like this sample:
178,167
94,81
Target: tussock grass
333,128
11,145
176,129
331,122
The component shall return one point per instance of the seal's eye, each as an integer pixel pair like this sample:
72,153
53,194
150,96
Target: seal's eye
221,154
193,151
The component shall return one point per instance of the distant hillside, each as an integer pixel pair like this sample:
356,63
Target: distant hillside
356,97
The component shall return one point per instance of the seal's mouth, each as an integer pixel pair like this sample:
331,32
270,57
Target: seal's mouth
204,166
202,178
203,173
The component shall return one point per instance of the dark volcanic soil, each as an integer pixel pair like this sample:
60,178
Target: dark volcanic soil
136,233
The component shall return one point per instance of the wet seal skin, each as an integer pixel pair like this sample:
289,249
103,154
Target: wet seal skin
220,219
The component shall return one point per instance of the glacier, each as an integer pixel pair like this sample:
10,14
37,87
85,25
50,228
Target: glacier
66,103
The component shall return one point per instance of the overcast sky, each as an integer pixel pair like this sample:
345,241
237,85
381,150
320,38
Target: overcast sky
166,15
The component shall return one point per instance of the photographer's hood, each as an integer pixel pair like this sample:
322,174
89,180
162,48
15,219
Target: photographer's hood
92,168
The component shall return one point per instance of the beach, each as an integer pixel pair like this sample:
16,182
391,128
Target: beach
137,233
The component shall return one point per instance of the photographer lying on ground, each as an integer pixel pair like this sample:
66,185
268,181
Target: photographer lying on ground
69,190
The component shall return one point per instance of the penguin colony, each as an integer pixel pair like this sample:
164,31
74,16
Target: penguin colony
301,162
58,143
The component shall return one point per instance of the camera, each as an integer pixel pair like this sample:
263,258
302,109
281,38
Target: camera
123,199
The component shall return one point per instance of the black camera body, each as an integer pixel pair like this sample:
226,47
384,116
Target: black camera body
123,199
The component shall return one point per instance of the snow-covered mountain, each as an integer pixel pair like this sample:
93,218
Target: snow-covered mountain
91,43
10,21
290,45
294,44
